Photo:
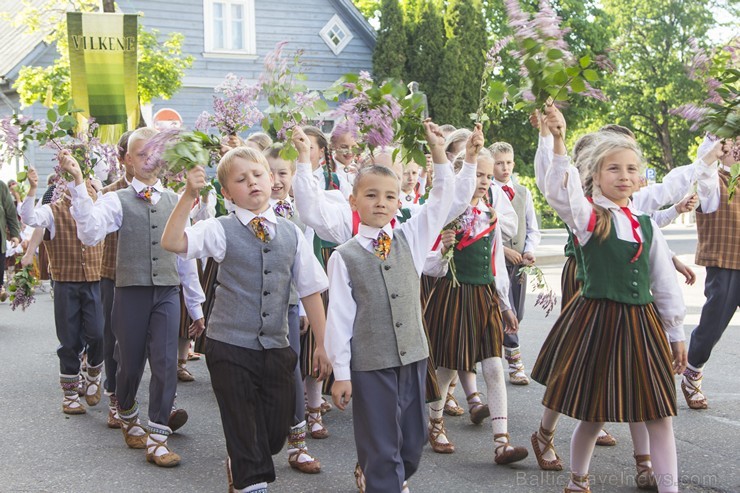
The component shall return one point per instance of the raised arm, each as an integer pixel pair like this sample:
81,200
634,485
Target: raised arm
173,236
37,217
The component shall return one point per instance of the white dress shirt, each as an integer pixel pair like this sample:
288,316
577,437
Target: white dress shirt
96,219
508,220
533,236
208,239
408,201
421,232
436,265
564,193
708,187
344,185
329,214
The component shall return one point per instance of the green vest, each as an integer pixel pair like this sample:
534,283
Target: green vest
572,250
473,263
609,273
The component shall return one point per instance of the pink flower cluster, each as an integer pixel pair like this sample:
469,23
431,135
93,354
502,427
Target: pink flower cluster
543,27
236,110
366,118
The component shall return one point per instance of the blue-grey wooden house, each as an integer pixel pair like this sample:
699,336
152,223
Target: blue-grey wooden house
223,36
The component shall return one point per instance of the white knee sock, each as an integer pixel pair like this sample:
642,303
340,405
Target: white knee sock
640,438
313,392
468,382
183,348
493,374
444,377
663,454
582,446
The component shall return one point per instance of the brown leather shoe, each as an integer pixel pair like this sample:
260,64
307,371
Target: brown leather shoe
178,418
645,478
504,456
691,389
436,429
478,410
314,418
133,441
168,459
229,475
555,464
183,374
72,405
312,466
452,408
113,421
606,440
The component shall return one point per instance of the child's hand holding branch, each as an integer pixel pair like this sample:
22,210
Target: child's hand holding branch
474,144
302,144
70,165
195,182
435,141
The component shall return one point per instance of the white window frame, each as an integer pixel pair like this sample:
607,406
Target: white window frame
336,21
250,41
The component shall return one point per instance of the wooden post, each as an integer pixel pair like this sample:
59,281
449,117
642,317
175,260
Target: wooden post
109,6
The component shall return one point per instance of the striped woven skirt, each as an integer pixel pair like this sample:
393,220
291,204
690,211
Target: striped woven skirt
208,282
610,362
464,324
426,285
568,284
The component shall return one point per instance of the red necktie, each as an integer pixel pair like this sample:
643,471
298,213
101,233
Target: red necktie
509,191
635,224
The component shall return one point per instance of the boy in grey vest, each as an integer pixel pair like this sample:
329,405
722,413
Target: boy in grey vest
146,306
375,339
519,250
251,363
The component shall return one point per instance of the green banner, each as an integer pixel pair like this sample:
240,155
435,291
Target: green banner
103,68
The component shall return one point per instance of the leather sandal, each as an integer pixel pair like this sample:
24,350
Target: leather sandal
325,406
452,408
133,441
168,459
71,405
478,410
359,478
183,374
93,390
555,464
518,375
690,390
314,418
580,483
504,456
606,440
645,479
437,429
312,466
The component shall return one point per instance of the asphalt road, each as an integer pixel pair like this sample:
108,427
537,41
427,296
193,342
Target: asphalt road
43,450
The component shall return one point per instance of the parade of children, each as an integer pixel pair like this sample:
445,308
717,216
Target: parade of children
336,289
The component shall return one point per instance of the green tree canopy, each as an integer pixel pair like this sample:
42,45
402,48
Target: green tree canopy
389,57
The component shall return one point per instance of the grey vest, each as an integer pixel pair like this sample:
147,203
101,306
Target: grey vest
519,203
251,301
387,330
140,259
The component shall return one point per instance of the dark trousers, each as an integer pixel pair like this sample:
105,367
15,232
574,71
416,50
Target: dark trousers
107,289
390,424
255,392
517,295
145,323
78,317
294,338
722,290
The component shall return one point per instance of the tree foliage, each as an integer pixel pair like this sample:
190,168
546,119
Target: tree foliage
161,64
426,43
389,57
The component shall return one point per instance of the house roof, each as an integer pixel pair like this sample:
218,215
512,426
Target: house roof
16,43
